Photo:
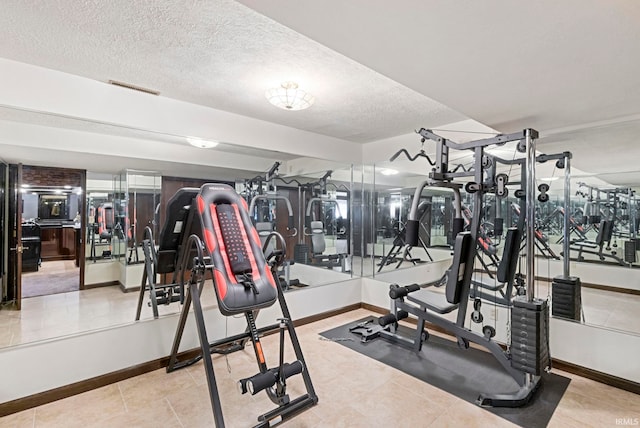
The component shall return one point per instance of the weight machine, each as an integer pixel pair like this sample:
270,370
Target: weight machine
266,228
528,355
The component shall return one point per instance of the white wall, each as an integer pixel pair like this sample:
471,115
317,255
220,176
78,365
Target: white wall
101,271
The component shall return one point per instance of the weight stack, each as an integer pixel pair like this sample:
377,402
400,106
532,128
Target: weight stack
630,251
301,253
566,297
529,336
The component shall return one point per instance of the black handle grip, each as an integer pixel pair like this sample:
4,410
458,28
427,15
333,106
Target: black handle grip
397,292
262,381
291,225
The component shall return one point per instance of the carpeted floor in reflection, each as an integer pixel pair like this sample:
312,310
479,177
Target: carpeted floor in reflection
42,283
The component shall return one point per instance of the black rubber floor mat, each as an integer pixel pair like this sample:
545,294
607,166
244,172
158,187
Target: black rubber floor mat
463,373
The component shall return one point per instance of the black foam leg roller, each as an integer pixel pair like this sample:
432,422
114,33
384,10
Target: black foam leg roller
291,369
387,319
261,381
402,315
412,230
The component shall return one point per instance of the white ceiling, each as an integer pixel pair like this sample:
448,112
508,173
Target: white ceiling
568,68
548,64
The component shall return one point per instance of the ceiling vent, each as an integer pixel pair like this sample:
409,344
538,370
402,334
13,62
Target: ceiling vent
133,87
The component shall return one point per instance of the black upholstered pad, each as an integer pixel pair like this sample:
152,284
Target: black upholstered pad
174,227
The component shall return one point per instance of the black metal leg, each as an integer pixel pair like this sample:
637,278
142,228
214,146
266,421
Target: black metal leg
206,357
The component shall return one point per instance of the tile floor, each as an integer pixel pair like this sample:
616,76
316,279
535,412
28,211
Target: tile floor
348,384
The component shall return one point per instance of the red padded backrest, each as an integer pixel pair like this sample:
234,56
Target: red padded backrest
236,254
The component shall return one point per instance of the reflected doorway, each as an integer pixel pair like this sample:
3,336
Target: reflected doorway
51,223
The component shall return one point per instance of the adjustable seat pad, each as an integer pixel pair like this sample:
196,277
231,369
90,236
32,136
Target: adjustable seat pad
236,254
317,237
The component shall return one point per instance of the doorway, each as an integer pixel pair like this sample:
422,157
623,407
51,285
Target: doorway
49,231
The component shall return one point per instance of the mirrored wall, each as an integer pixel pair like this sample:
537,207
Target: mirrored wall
311,205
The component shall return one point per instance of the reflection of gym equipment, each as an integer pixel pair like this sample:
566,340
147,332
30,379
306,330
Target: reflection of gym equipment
265,228
318,247
318,242
541,240
105,225
528,354
244,283
596,247
164,260
400,244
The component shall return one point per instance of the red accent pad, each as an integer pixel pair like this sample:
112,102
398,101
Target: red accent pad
221,283
210,240
200,204
270,278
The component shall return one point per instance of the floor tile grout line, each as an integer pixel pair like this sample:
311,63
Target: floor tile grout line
174,411
124,402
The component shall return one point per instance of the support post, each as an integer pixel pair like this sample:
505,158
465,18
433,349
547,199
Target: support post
531,212
567,203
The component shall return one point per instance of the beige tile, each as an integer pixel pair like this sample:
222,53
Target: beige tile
463,414
562,419
81,410
141,391
159,414
592,409
608,395
25,419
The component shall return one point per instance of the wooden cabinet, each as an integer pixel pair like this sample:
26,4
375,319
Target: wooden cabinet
58,243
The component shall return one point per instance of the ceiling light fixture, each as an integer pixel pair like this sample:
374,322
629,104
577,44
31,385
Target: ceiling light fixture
289,97
200,143
388,171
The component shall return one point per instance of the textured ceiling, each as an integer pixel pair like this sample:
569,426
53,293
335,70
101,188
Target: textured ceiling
544,64
215,53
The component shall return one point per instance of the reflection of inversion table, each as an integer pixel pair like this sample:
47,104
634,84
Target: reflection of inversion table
400,246
228,247
164,260
502,292
604,237
105,226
